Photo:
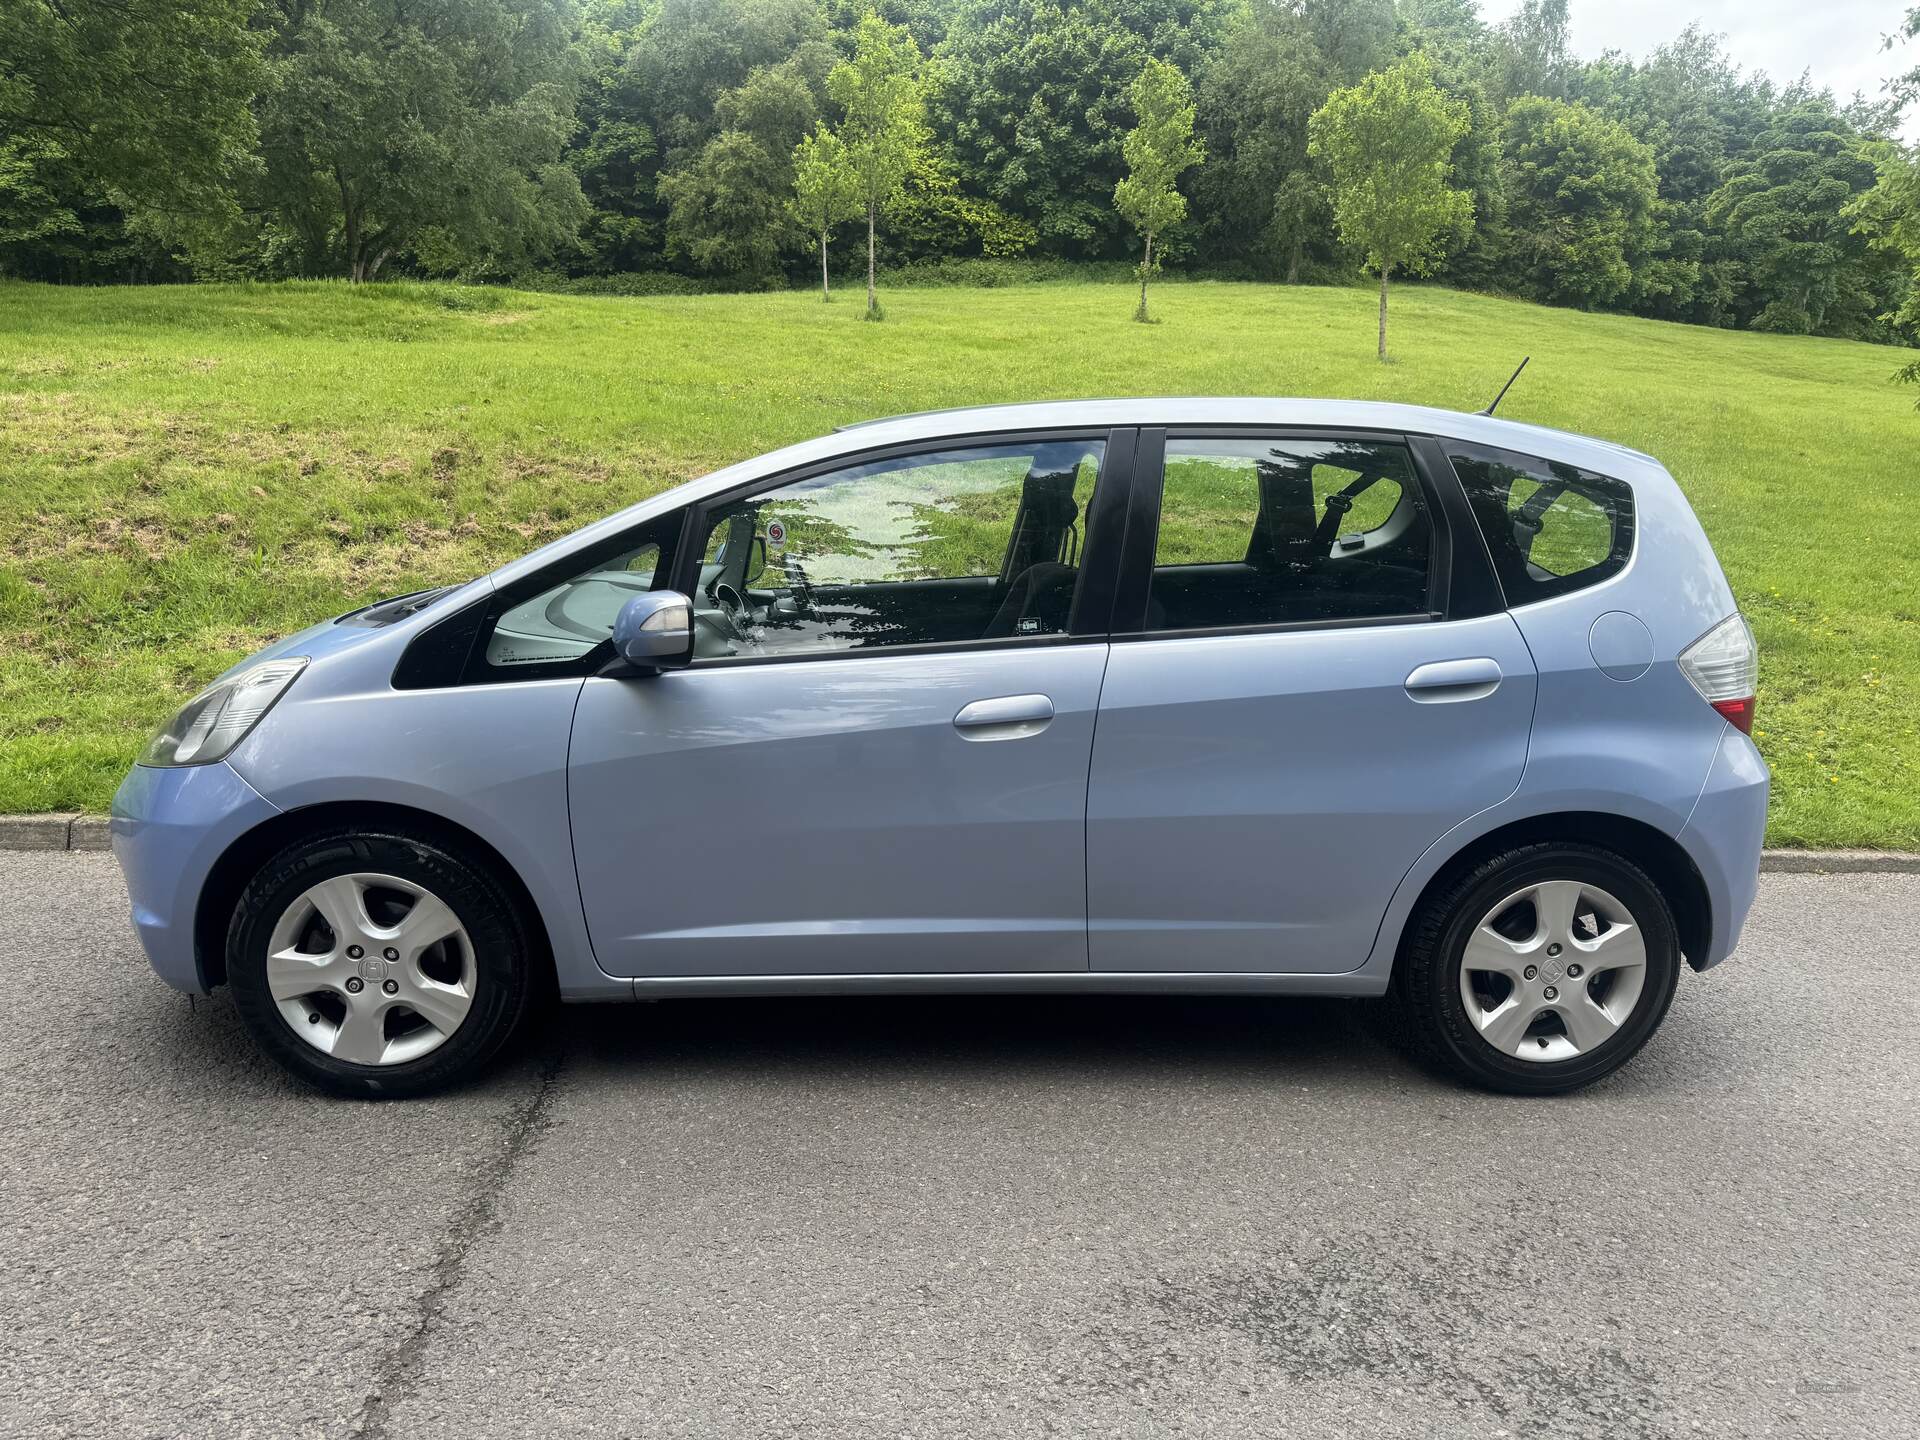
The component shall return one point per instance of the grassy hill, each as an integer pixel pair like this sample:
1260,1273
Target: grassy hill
188,472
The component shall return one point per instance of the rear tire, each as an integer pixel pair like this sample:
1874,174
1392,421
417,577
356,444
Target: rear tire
1541,970
380,964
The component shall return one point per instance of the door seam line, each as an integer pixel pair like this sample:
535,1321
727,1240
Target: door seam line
1086,815
573,848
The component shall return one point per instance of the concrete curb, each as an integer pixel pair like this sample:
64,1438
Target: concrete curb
54,832
36,832
1839,862
89,832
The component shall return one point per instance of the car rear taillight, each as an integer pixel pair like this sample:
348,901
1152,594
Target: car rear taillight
1724,666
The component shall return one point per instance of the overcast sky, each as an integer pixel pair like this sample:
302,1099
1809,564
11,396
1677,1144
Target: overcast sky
1838,41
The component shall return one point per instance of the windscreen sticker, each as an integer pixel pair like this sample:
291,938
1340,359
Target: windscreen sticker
776,534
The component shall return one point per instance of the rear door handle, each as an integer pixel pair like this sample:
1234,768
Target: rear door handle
1447,681
1006,717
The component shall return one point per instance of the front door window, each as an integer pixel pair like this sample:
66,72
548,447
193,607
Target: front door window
947,547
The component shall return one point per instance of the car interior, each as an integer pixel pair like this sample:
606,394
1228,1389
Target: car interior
1301,561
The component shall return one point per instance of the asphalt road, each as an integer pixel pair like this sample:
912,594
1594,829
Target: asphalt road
981,1217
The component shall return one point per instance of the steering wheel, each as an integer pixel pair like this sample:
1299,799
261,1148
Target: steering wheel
733,609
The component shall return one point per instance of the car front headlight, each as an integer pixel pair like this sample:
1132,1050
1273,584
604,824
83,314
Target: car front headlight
219,717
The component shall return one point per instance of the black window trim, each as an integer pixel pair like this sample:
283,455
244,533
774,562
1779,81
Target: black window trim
1473,587
1143,530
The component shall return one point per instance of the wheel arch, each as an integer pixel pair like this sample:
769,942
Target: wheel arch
242,859
1653,850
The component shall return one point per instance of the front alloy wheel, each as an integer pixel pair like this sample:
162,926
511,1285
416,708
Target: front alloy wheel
371,969
380,964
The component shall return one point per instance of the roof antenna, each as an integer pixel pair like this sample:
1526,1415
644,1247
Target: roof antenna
1506,387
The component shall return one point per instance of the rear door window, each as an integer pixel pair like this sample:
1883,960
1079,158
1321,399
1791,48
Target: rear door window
1276,531
1551,528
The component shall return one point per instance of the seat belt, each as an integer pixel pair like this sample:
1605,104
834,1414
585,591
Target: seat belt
1528,522
1338,505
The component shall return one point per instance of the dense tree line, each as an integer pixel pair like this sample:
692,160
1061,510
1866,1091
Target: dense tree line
726,140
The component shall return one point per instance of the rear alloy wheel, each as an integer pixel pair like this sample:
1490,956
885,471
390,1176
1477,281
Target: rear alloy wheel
1552,971
1542,970
379,964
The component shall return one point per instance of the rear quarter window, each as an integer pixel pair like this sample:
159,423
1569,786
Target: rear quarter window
1551,528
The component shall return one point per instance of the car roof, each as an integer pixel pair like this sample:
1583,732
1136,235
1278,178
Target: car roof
1241,410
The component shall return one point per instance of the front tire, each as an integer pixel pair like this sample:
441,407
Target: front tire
379,964
1541,970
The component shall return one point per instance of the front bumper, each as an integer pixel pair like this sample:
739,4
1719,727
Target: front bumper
170,826
1723,837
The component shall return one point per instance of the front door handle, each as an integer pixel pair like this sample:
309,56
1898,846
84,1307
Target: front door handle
1447,681
1006,717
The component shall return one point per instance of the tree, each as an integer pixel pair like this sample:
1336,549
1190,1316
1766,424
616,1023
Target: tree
1689,102
1783,209
1906,88
825,191
1463,71
614,151
1031,97
934,218
1355,36
1158,149
673,77
1580,196
1257,200
727,208
1889,216
1389,143
177,139
1297,219
1535,58
57,224
390,123
1452,20
688,53
884,128
726,211
140,104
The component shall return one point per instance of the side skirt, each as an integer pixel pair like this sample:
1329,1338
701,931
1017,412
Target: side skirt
1095,982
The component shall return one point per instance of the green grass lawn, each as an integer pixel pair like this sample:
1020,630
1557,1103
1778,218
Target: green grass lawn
189,472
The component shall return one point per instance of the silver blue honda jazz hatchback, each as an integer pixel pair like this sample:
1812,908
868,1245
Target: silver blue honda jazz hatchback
1226,696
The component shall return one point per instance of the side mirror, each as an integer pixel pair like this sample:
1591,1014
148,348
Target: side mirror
655,631
756,560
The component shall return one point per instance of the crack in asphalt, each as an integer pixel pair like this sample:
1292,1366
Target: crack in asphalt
398,1374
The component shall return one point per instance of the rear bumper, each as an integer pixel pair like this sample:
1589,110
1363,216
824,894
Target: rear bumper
169,828
1723,837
